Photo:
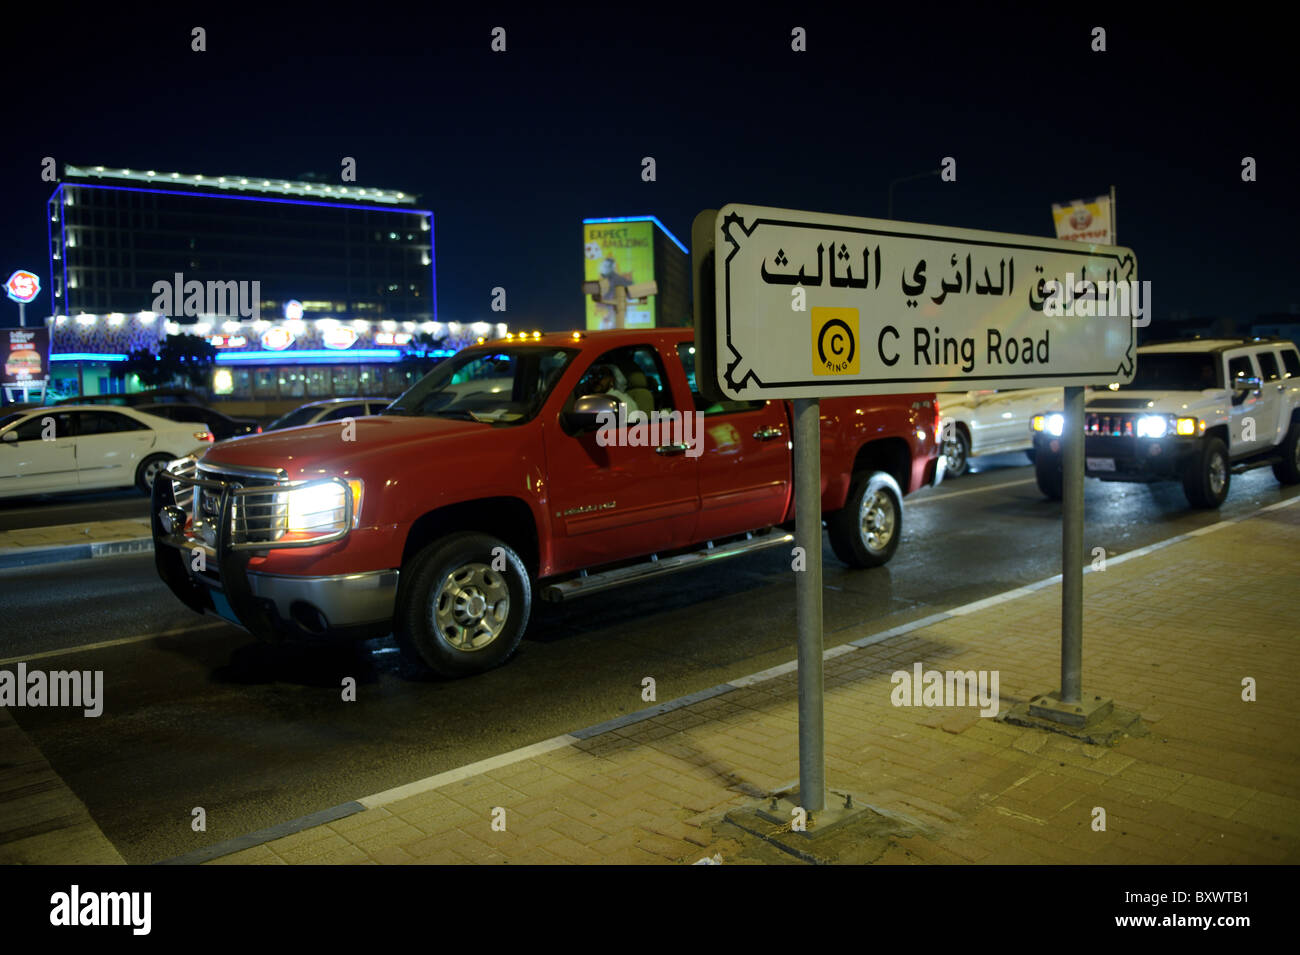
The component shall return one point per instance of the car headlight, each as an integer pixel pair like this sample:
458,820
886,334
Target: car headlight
1190,426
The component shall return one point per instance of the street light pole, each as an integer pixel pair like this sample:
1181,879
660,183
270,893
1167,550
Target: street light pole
919,175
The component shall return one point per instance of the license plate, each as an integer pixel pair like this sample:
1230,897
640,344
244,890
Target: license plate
1101,464
222,606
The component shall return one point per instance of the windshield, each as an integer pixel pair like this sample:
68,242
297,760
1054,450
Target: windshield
507,384
1175,371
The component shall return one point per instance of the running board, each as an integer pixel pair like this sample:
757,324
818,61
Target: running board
654,567
1256,463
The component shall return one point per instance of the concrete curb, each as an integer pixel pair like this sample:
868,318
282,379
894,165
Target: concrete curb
31,556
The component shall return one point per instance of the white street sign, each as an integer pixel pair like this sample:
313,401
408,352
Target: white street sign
811,305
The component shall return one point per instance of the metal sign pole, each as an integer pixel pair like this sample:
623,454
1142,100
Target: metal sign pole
808,597
1072,548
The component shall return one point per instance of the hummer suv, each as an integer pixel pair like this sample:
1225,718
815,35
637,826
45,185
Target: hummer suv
1196,411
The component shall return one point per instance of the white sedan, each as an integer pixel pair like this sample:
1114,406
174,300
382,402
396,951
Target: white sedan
974,423
88,447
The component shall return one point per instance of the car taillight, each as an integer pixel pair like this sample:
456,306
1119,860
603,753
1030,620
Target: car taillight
203,436
934,403
259,429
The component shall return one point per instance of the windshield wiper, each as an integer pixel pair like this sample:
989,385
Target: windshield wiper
458,413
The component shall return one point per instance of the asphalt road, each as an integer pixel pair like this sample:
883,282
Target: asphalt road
256,734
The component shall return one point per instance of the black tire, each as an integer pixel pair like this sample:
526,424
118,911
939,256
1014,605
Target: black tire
147,468
1208,475
449,574
1287,471
1047,472
957,451
876,498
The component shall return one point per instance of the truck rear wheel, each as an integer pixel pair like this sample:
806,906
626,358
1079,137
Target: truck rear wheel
865,532
1208,474
463,605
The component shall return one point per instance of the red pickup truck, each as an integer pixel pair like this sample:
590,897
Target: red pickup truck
540,466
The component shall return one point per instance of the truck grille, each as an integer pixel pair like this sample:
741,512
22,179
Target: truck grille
1116,425
259,509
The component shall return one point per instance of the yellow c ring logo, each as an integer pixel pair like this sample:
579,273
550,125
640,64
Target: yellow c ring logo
836,342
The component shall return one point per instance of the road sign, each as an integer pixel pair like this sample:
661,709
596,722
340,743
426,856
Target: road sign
807,305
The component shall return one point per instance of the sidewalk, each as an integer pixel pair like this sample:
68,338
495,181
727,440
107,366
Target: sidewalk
44,545
1170,632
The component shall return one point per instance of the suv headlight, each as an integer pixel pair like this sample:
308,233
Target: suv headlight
1053,423
1162,425
1154,425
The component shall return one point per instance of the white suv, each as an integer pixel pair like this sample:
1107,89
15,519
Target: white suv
1197,411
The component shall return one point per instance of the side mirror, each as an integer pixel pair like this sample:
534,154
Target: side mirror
590,412
11,437
1241,387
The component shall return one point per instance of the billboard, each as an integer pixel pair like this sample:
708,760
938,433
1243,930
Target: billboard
26,354
1084,221
622,254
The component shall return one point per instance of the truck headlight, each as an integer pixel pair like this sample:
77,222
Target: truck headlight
321,507
1190,426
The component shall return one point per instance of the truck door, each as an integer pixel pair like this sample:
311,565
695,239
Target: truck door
630,496
744,472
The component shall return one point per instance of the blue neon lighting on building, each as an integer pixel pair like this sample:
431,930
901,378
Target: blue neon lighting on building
219,195
63,219
322,355
653,219
85,356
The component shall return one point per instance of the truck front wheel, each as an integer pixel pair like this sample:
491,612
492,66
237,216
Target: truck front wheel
1208,474
462,605
865,532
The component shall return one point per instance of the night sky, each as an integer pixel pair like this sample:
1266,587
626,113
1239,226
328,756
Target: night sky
511,150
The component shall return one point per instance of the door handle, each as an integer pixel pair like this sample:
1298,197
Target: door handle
768,433
669,449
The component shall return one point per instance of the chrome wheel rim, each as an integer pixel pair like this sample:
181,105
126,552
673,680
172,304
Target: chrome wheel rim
1297,455
1218,473
956,453
877,520
471,607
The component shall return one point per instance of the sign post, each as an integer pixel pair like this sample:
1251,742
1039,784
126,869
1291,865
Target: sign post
800,306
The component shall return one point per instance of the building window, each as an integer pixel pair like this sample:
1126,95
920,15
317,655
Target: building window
318,382
345,380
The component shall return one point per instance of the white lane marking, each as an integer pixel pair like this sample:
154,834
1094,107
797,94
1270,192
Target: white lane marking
975,490
112,643
465,772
